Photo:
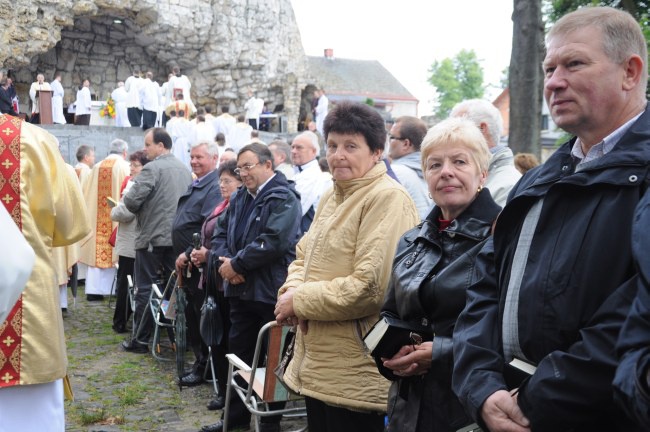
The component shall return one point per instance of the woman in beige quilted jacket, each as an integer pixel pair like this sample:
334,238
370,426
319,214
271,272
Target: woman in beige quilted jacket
336,285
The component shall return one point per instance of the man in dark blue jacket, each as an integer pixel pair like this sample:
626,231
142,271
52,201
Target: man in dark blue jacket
255,242
632,381
555,283
194,206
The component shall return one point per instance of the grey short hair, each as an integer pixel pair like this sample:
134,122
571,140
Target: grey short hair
118,146
622,35
313,138
481,111
281,146
211,147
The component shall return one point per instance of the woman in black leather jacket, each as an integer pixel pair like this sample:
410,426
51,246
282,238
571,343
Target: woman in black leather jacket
432,269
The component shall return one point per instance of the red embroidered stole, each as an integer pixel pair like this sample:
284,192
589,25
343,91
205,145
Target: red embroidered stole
11,329
104,228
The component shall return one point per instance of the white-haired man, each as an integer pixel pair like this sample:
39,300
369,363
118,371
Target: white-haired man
104,180
502,174
310,182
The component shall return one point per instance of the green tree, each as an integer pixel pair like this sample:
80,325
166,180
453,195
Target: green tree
456,79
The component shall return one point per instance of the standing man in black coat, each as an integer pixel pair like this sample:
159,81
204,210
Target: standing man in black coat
255,242
555,283
194,206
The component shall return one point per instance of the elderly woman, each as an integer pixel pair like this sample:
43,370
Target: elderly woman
335,287
433,267
125,246
229,182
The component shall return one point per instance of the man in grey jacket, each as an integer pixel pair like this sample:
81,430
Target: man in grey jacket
153,199
405,138
502,174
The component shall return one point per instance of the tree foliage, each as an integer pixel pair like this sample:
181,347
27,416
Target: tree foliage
455,80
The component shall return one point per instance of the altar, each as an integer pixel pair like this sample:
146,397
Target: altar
95,118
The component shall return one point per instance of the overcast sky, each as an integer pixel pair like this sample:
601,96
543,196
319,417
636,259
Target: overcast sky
407,36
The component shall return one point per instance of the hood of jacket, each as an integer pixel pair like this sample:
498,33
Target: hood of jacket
413,161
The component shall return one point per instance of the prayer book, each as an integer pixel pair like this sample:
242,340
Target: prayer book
390,334
517,371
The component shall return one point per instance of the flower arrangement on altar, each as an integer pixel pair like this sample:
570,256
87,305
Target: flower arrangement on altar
108,110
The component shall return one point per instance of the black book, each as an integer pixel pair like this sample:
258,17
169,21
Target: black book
390,334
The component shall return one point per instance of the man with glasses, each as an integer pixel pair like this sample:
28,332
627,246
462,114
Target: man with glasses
254,243
405,138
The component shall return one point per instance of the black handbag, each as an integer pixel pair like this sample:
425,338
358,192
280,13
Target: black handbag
210,325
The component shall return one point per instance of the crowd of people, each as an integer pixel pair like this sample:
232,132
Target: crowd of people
525,307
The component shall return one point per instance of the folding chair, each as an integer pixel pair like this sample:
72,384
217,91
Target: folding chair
262,386
160,304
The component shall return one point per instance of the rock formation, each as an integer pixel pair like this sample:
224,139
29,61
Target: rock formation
225,47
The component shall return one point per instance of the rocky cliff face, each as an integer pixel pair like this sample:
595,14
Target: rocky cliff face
225,47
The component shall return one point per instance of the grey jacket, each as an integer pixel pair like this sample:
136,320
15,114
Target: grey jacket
408,170
126,231
154,197
502,175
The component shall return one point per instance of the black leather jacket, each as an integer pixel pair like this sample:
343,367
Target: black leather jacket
431,271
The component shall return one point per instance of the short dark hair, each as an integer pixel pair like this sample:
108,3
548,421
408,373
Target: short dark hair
160,135
82,151
139,156
229,167
357,118
225,109
260,150
413,129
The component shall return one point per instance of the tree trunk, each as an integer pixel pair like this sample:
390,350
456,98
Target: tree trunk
526,77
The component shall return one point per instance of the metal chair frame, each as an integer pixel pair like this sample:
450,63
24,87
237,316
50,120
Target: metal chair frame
155,306
254,402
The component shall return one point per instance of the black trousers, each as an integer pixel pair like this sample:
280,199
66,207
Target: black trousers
148,119
253,123
150,267
326,418
135,116
122,305
195,298
246,320
82,120
219,351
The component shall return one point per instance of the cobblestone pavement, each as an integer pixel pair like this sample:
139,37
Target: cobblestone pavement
119,391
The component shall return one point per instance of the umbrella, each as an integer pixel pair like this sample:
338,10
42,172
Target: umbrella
74,283
181,342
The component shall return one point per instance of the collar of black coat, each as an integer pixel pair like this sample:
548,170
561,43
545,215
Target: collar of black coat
475,222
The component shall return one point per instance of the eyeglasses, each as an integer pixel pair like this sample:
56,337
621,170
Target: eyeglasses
245,168
394,138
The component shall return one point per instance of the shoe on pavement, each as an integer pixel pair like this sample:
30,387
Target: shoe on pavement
191,380
217,404
218,426
134,347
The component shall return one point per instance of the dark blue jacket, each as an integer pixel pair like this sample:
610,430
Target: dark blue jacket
268,245
194,206
631,382
575,293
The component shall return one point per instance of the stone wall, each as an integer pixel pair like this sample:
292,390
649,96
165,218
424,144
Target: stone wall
226,47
